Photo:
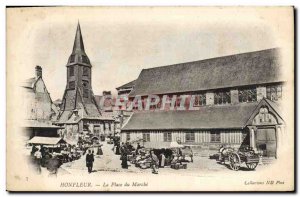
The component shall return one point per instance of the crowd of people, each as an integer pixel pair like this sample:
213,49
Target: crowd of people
52,158
44,157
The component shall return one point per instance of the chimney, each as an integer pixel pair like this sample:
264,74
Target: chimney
38,72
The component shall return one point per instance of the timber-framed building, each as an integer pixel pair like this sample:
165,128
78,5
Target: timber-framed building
237,102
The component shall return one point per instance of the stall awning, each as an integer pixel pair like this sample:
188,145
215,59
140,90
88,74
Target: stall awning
46,140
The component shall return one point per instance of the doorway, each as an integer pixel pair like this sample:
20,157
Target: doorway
266,141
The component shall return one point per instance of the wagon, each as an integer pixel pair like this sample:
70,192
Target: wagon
249,157
237,157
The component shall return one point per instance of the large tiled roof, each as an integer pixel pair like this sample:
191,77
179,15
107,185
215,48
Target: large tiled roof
208,117
92,110
64,116
251,68
86,110
69,118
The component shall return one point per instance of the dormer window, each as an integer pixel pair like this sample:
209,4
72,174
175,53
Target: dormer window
72,59
85,59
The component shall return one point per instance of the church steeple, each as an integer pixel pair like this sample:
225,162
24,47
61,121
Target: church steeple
78,54
79,94
78,46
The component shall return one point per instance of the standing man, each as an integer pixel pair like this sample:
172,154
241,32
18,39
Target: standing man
138,147
89,161
222,152
124,156
155,162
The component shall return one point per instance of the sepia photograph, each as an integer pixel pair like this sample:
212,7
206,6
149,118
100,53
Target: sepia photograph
135,99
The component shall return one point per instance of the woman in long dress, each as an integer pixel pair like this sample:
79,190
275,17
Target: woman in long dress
117,148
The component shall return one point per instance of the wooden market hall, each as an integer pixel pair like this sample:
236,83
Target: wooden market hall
237,103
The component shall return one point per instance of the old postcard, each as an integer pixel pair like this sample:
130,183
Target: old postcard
150,99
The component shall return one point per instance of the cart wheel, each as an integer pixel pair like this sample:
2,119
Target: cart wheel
251,166
235,162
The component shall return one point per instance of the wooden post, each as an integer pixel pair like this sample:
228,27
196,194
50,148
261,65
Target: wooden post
278,134
252,138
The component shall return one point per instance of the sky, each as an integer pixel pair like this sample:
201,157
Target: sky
121,42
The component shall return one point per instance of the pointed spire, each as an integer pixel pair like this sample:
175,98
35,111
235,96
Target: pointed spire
78,42
78,54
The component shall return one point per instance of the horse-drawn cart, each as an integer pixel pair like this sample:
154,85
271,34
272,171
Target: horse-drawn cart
250,158
237,158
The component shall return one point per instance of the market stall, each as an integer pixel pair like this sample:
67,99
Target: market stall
47,141
49,146
170,154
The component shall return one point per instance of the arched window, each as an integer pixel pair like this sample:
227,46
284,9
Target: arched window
72,58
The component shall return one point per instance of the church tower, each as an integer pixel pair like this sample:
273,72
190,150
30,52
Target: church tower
78,95
79,69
